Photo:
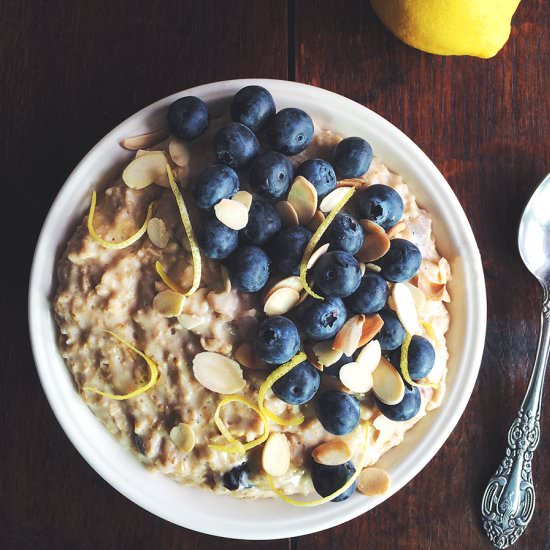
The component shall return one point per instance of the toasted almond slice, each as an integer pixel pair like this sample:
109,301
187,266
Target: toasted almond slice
244,197
362,267
444,270
317,254
157,232
183,437
332,453
405,308
144,140
246,356
351,182
373,482
325,354
332,199
276,455
226,279
281,301
288,214
303,197
375,245
373,267
188,321
179,152
293,281
218,373
370,355
371,227
356,377
168,303
146,170
316,221
388,386
371,327
231,213
396,229
418,296
348,337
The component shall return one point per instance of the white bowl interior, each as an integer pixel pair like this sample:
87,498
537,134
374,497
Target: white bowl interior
223,515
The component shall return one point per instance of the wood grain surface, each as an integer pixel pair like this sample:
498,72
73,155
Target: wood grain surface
70,71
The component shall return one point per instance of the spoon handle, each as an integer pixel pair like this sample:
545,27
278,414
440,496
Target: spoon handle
509,499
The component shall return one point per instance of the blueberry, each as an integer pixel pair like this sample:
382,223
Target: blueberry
263,222
216,240
334,369
344,233
337,274
371,295
392,333
236,478
420,357
320,174
381,204
235,145
338,412
288,248
270,175
217,182
290,131
252,106
406,409
352,157
321,319
401,261
299,385
277,340
249,268
328,479
187,117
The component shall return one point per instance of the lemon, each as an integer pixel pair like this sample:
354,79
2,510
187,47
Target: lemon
449,27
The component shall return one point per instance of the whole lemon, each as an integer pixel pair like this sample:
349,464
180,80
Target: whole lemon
449,27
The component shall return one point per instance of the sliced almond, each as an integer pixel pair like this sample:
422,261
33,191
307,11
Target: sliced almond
157,232
330,201
388,386
351,182
179,152
348,337
362,268
356,377
317,254
244,197
371,227
218,373
373,267
370,356
371,327
183,437
168,303
144,140
316,221
281,301
226,279
375,245
288,214
293,281
276,455
418,296
396,229
405,308
146,170
324,353
231,213
374,482
188,321
246,356
303,197
332,453
444,270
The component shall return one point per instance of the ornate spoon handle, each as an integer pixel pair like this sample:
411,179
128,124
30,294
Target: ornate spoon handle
509,499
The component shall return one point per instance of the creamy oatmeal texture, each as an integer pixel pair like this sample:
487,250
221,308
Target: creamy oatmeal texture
99,289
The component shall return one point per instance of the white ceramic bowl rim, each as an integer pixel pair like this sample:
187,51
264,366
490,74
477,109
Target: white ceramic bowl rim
223,515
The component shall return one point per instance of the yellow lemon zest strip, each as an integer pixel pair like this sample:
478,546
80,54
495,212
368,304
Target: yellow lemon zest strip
279,372
121,244
153,370
336,493
236,446
430,331
404,365
316,238
195,252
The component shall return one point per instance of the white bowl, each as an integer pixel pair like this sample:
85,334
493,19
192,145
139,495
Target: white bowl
223,515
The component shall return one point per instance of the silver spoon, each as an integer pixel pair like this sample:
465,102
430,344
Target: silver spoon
509,500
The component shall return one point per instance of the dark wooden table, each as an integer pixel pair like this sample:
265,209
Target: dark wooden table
70,71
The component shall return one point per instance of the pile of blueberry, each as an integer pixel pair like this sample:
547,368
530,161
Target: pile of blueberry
263,249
